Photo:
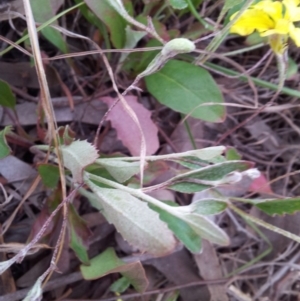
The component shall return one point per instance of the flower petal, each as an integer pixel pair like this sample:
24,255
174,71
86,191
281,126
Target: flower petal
271,8
251,20
292,11
295,35
282,26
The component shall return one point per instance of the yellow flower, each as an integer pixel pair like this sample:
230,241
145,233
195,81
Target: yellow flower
274,19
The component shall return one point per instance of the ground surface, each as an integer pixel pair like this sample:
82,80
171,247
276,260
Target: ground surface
256,266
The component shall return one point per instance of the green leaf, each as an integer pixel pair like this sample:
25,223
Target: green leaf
107,263
43,11
207,206
181,229
231,3
169,50
132,38
120,170
140,61
232,154
79,235
185,88
99,170
209,176
89,15
215,172
49,174
109,16
195,163
192,162
77,156
120,285
188,224
292,68
7,98
136,222
188,187
255,39
4,148
281,206
66,135
231,6
178,4
204,227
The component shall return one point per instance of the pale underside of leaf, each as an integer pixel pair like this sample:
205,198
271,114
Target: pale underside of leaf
204,227
77,156
178,4
36,293
136,222
206,153
120,170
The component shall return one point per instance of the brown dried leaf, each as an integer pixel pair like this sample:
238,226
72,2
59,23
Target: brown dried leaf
210,269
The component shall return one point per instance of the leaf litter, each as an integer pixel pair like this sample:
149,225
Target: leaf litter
270,140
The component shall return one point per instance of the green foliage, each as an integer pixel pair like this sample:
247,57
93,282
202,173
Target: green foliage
188,187
178,4
110,184
279,206
120,285
43,11
111,18
292,68
204,227
182,230
215,172
4,148
137,62
125,207
132,38
7,99
229,5
208,206
77,156
137,223
79,235
107,263
49,174
120,170
232,154
187,89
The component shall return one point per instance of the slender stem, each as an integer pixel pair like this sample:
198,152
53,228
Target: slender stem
217,40
257,258
257,81
264,224
197,16
196,153
160,10
246,49
135,192
189,132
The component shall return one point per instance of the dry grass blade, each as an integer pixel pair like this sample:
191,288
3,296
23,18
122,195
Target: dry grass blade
48,108
121,98
8,222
